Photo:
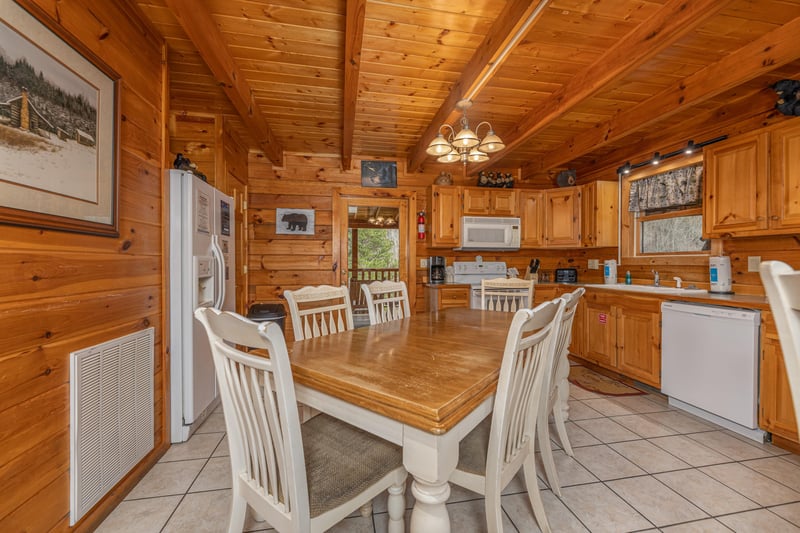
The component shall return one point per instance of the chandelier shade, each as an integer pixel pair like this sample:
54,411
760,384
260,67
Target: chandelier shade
466,145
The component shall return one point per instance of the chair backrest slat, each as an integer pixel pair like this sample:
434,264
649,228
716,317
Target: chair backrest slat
507,295
386,300
319,311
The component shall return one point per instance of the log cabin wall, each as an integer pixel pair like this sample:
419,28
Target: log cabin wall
280,262
65,291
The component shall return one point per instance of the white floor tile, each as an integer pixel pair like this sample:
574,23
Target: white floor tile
655,501
757,521
605,463
600,510
140,516
752,484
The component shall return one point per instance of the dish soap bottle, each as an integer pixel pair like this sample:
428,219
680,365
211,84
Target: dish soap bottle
628,277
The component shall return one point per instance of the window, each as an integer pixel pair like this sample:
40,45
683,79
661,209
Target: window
665,212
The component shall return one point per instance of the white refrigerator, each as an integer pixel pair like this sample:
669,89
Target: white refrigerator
201,274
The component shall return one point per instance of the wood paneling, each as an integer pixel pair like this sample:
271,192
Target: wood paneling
62,291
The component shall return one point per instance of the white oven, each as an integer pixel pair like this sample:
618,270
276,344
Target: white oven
473,272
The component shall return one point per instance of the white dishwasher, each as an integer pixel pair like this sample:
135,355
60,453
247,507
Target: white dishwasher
709,363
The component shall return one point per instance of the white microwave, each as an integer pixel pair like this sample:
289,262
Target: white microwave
489,233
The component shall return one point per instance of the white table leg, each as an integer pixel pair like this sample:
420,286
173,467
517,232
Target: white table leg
430,459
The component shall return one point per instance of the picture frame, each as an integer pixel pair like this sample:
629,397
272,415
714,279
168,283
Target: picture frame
59,121
294,221
379,174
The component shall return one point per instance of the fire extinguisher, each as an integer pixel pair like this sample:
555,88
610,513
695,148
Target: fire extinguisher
421,225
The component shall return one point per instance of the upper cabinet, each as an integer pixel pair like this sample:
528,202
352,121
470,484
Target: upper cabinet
482,201
752,184
445,207
562,221
599,214
531,210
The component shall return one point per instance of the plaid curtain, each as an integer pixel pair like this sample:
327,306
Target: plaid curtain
681,187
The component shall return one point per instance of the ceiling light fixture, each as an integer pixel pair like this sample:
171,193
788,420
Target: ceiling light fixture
464,146
657,158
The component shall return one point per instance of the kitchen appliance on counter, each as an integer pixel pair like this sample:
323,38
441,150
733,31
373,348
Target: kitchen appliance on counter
566,275
610,272
719,274
202,274
436,269
709,363
472,272
490,233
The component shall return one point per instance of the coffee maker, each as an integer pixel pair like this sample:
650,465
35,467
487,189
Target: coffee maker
436,271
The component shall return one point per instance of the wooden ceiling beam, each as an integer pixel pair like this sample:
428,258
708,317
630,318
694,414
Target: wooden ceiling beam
670,23
204,33
517,17
353,40
773,50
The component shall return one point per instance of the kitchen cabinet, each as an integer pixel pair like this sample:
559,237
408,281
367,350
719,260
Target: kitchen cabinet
531,209
482,201
599,214
624,336
562,217
448,295
544,293
776,411
445,216
751,184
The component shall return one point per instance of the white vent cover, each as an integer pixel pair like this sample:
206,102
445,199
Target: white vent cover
111,415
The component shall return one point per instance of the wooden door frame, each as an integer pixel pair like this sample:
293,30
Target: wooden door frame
342,196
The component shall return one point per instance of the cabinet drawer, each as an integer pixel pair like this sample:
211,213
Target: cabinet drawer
453,297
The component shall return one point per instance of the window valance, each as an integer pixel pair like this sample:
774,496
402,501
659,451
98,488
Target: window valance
681,187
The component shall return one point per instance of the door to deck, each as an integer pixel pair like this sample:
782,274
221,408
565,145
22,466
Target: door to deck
374,244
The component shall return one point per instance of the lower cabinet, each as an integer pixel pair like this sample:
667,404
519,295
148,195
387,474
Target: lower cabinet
444,296
624,336
543,293
776,411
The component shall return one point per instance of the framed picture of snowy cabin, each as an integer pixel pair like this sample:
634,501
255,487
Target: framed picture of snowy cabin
58,125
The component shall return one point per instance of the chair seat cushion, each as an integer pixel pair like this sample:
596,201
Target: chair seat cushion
473,448
342,461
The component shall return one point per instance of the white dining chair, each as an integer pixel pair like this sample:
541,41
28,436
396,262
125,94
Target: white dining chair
386,300
506,294
492,453
782,285
299,478
319,311
555,391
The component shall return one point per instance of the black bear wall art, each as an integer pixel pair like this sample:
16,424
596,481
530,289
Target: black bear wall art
294,221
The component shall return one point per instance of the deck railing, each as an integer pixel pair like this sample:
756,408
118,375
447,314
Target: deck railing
362,276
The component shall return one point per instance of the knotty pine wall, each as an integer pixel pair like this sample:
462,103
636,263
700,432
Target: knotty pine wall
280,262
64,291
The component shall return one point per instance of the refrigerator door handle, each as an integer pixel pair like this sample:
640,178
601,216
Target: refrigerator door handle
219,274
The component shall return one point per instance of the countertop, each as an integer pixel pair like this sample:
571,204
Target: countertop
733,300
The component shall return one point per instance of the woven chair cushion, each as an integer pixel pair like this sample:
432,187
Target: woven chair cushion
473,448
342,461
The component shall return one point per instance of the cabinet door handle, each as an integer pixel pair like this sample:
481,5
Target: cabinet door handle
775,217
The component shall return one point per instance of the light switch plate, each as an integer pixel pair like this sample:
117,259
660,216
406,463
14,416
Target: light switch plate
594,264
423,263
753,263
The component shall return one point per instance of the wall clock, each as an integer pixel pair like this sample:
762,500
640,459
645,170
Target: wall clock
379,174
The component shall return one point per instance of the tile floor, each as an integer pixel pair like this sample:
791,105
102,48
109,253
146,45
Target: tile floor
639,465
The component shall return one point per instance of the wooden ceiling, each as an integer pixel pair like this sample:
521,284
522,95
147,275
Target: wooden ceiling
585,81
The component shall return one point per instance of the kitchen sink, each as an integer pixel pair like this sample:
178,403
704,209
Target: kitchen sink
652,289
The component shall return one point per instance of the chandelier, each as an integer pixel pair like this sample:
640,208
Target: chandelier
464,146
382,221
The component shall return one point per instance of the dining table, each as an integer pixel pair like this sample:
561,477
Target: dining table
422,382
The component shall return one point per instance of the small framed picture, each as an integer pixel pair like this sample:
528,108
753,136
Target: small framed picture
294,221
379,174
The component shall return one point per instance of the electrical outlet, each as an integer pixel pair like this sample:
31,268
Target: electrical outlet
753,263
594,264
423,263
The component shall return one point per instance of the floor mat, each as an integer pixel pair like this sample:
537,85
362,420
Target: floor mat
594,382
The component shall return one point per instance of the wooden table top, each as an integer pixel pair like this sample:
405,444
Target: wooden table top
428,371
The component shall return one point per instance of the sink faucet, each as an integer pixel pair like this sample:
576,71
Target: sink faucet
656,278
678,282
